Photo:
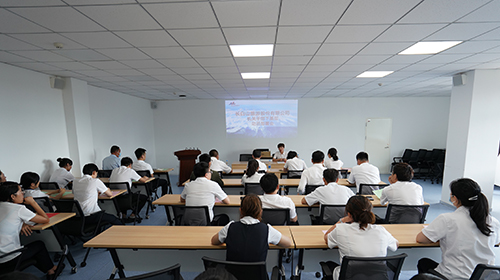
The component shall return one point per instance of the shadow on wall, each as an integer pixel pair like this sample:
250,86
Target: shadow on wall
47,171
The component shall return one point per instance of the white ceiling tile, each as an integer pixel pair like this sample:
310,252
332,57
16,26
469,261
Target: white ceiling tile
291,60
59,19
11,23
355,34
157,72
490,35
182,62
214,62
488,12
408,32
333,60
36,66
244,61
39,3
120,17
7,43
183,15
44,56
443,58
143,64
192,77
209,51
126,53
461,31
405,59
126,72
472,47
47,40
147,38
99,2
94,73
247,13
295,49
288,68
479,58
82,55
250,35
198,37
377,12
222,70
71,65
107,65
321,68
384,48
340,49
354,68
421,67
368,59
432,11
303,34
9,58
113,79
298,12
251,69
166,52
97,40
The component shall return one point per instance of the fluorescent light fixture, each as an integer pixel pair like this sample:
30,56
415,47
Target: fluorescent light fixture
430,47
256,75
374,74
251,50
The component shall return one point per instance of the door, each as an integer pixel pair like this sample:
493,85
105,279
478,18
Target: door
378,135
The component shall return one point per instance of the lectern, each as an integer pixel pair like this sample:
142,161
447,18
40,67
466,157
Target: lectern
187,160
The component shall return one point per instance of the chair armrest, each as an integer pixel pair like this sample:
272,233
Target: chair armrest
397,158
327,272
276,274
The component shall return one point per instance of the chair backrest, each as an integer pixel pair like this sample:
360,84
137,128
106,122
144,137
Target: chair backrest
294,174
310,188
143,173
344,173
169,273
240,270
75,225
485,272
49,186
380,268
406,155
369,188
254,188
245,157
421,154
191,215
276,217
45,204
118,186
413,156
104,173
406,214
17,265
329,214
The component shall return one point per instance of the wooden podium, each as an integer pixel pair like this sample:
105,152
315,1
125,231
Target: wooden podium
187,160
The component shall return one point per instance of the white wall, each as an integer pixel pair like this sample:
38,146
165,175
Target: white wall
323,123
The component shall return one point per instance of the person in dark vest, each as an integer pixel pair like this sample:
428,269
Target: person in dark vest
248,240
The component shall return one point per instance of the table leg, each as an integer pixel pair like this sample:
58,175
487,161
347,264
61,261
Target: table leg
60,240
298,269
118,265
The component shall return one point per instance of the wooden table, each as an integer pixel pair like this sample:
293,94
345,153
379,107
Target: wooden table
244,164
70,195
106,180
54,220
160,172
163,171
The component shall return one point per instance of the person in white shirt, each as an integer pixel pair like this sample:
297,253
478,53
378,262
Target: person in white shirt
256,154
364,172
203,191
333,160
314,174
467,237
402,190
86,191
294,163
280,155
141,165
355,235
112,161
62,176
125,173
251,175
30,181
218,165
271,199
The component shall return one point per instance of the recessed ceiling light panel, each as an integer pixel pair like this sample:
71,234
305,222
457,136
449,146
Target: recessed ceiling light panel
256,75
374,74
430,47
252,50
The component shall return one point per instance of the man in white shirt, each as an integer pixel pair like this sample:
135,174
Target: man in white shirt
112,161
256,154
402,190
86,191
218,165
364,172
271,199
280,155
314,174
203,191
294,163
141,165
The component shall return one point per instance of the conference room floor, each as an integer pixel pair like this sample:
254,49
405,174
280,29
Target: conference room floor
100,265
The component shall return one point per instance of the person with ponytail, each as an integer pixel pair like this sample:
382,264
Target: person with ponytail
62,176
251,174
466,236
333,160
356,235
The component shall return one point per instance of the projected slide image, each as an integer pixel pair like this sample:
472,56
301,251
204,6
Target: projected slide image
261,118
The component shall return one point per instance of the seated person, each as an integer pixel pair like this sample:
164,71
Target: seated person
364,172
333,160
14,219
62,176
271,199
214,174
2,177
141,165
202,191
314,174
256,154
294,163
112,161
86,191
218,165
280,155
30,181
126,174
248,240
402,190
251,175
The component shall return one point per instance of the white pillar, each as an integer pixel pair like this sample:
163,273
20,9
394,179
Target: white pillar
473,131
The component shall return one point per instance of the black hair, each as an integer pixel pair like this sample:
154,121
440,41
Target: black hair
200,169
64,161
89,168
468,192
318,156
331,175
360,209
281,145
403,171
269,182
29,178
333,153
213,153
215,273
126,161
291,154
114,149
204,158
256,153
7,189
425,276
363,156
139,152
252,167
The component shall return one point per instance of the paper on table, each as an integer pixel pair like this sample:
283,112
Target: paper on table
65,193
324,231
378,193
50,215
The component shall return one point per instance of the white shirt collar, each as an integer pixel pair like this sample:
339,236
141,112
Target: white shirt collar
248,220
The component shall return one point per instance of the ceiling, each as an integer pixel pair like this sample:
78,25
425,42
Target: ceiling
159,50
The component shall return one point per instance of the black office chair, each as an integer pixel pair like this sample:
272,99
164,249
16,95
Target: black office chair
243,270
254,188
276,217
344,173
379,268
369,188
485,272
45,203
329,214
130,197
169,273
291,174
104,173
245,157
406,214
191,215
49,186
310,188
149,189
404,158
